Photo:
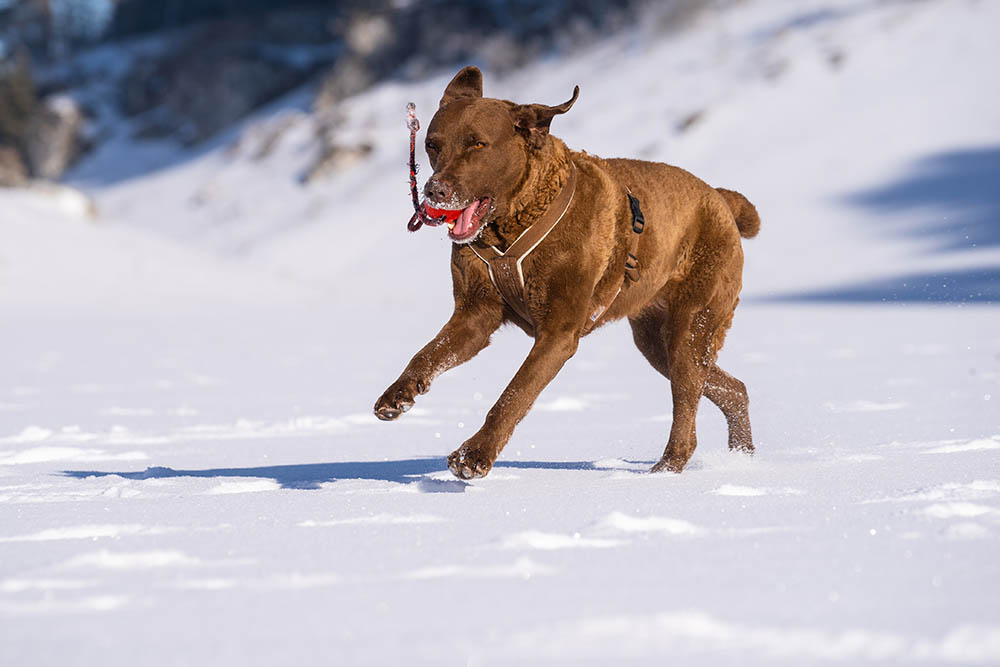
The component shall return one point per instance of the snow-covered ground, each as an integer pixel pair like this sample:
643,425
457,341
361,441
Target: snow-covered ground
190,473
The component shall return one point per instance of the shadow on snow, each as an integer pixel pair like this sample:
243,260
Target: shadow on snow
953,196
311,475
980,285
951,199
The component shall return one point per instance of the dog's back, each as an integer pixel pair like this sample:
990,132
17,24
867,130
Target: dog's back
669,187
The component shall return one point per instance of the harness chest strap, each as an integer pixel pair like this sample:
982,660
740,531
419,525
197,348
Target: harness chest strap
505,267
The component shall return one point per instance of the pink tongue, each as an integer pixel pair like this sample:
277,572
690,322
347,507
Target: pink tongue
464,223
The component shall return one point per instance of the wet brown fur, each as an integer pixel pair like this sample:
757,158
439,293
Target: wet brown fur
690,254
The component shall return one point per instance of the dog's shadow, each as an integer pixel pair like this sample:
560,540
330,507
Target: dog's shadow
312,475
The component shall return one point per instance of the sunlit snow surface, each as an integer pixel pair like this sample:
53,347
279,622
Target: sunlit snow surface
190,472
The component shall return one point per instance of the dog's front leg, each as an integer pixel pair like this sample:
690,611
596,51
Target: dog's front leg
462,337
476,456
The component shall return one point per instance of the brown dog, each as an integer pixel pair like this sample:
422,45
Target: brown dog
496,161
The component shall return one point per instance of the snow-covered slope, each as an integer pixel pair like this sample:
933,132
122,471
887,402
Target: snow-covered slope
57,258
855,127
189,471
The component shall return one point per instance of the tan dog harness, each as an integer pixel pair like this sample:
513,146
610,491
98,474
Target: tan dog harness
505,267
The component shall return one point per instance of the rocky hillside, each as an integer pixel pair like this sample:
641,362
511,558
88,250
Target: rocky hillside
184,71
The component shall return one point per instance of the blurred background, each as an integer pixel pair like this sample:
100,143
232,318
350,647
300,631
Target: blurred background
243,117
863,130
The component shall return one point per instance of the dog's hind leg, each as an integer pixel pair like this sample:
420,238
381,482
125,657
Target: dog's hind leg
730,395
650,331
671,356
689,358
700,305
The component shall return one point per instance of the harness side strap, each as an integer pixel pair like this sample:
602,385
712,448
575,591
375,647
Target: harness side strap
631,264
638,224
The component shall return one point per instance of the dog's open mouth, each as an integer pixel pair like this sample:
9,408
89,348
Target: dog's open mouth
464,223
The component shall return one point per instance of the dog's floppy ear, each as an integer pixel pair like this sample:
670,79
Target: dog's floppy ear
532,120
467,83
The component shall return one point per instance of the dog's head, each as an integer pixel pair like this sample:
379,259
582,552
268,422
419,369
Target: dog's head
479,148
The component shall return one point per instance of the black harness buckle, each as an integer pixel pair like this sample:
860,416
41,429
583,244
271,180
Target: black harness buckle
632,267
638,221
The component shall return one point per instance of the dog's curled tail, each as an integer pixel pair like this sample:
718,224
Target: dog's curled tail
745,213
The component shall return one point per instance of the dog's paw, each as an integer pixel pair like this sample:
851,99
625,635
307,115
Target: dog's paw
745,446
469,463
666,465
396,400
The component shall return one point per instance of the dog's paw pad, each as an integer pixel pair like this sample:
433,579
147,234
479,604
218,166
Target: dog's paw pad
468,465
664,465
387,414
389,410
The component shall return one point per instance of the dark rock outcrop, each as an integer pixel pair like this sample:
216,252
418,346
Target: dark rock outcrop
212,78
53,138
13,172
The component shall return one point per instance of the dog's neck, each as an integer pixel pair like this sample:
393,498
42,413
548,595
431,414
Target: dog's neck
547,171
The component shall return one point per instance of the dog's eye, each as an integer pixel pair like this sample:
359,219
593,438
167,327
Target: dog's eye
479,144
431,148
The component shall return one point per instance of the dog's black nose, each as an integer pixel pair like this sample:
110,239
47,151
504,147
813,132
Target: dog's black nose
438,190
